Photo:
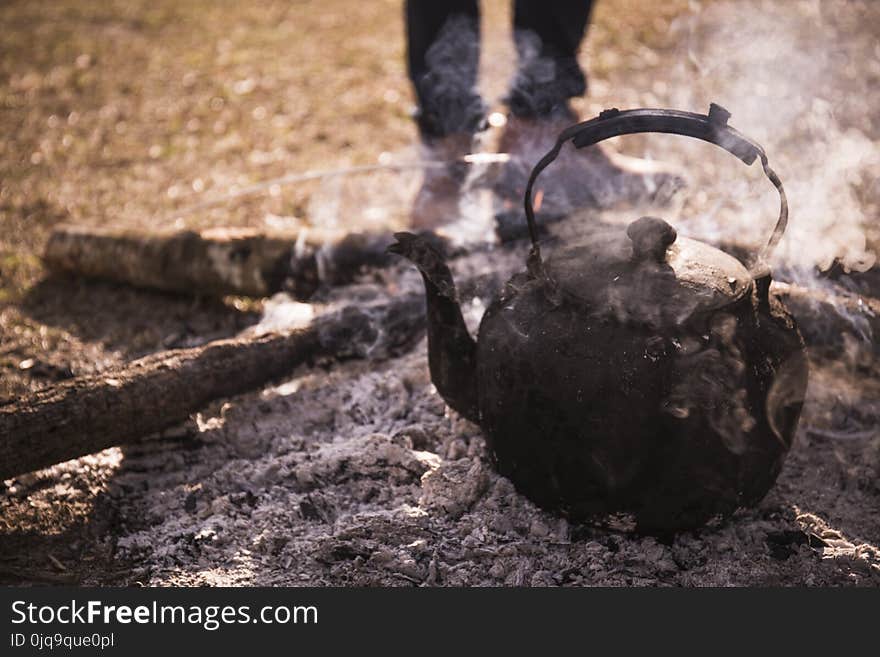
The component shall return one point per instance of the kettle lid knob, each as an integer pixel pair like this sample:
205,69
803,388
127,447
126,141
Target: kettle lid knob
650,238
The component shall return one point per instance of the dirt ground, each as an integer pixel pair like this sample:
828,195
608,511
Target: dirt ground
135,112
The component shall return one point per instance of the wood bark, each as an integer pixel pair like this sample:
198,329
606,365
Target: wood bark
825,318
220,261
90,413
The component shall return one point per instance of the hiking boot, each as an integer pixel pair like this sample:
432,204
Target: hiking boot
590,177
437,201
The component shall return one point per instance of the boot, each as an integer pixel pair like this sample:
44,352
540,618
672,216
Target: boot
437,201
590,177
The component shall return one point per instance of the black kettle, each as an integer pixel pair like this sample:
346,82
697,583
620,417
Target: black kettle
635,372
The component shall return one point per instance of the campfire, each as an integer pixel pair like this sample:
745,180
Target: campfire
313,446
380,322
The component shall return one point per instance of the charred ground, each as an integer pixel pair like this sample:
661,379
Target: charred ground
123,113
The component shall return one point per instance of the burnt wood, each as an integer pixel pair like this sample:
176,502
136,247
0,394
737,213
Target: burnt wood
825,318
91,413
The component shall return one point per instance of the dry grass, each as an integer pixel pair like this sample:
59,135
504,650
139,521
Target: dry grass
117,112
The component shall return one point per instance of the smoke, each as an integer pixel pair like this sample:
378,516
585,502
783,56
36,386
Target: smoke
791,82
377,201
784,74
784,71
445,83
800,78
794,81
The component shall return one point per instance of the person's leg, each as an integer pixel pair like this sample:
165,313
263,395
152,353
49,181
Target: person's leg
443,56
548,34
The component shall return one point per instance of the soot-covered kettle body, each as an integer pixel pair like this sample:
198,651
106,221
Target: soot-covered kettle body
635,372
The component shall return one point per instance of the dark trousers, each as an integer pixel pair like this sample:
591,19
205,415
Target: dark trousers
443,41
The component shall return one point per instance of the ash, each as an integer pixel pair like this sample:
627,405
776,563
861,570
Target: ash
362,476
358,474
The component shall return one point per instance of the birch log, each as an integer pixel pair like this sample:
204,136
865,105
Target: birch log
219,261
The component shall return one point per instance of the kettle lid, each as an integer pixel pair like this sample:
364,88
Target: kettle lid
648,274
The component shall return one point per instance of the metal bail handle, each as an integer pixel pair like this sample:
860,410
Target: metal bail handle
711,127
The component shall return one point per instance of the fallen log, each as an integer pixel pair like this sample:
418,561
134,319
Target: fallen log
219,261
91,413
824,318
865,282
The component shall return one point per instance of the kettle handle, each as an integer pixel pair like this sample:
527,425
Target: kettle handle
711,127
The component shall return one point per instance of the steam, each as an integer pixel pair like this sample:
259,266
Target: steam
782,71
447,88
805,94
777,70
791,84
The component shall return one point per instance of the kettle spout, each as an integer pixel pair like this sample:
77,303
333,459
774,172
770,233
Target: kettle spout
452,353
